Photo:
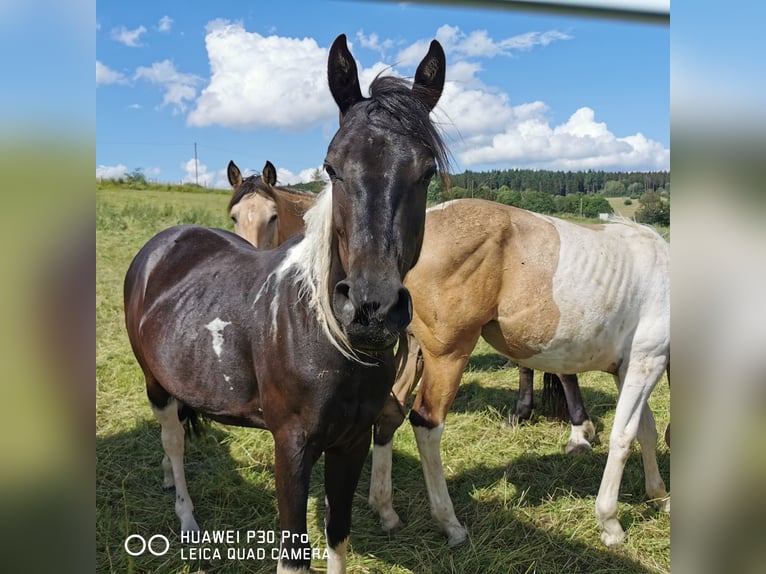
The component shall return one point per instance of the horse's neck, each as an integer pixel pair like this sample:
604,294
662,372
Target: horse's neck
291,209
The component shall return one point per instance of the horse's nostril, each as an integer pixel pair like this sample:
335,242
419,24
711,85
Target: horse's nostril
400,314
342,304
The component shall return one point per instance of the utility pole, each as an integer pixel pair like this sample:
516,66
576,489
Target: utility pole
196,180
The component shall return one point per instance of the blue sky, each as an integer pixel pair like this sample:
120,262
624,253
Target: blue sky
246,82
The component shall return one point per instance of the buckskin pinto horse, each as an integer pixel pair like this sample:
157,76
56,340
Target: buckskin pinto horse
267,216
551,295
298,340
263,213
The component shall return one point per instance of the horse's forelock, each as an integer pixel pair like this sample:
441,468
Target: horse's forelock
411,116
249,185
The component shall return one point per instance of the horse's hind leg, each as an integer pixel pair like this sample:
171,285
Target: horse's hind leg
173,461
647,438
583,430
637,381
526,401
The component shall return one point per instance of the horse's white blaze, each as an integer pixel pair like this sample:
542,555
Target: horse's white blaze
216,327
441,504
381,497
336,558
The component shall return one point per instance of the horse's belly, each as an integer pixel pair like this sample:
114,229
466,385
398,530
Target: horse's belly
584,349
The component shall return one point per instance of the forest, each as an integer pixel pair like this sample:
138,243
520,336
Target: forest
576,193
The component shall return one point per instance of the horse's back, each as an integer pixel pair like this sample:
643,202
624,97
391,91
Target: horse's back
542,290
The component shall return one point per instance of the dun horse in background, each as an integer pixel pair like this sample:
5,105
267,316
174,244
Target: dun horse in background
298,340
264,214
551,295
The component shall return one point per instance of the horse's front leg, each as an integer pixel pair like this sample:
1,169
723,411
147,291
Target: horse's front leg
409,360
293,461
341,476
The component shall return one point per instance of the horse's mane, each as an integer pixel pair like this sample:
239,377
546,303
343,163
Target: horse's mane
643,227
311,259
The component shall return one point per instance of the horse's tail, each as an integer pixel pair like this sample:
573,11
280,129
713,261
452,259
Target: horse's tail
554,401
195,424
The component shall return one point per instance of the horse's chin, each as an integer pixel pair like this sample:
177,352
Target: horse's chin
370,338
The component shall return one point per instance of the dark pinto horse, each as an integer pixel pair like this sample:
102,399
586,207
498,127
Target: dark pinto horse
267,216
553,296
263,213
298,340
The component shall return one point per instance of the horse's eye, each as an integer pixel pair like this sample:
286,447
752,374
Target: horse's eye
331,173
234,219
428,175
273,219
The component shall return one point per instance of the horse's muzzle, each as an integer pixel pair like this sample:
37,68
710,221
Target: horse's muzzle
372,315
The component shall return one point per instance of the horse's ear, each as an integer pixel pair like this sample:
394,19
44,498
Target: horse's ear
269,173
429,78
342,75
235,176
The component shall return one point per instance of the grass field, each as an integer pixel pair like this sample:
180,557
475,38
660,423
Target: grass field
527,506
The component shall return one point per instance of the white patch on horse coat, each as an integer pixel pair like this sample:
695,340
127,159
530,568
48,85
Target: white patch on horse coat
608,281
216,327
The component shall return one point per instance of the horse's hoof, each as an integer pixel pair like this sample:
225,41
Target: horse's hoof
663,505
392,527
612,539
456,537
513,421
576,448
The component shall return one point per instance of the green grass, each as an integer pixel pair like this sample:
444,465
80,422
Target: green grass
527,506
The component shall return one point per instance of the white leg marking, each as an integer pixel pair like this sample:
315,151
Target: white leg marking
168,481
173,443
336,559
442,510
381,499
580,437
285,569
640,378
647,438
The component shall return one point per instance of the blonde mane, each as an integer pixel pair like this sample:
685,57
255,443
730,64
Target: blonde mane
310,260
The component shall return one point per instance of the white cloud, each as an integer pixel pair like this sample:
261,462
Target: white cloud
128,37
216,179
280,82
179,87
478,44
111,171
262,81
105,75
581,142
286,177
166,22
374,43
